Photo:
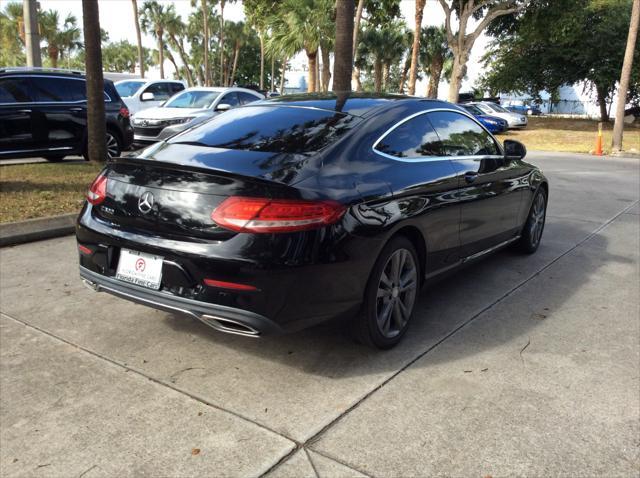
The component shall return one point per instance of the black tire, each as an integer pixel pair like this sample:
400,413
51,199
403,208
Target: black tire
387,309
54,159
534,226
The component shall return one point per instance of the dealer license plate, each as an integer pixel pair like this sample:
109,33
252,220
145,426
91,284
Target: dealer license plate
140,268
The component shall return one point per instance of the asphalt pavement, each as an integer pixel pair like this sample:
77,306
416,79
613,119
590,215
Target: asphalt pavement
518,365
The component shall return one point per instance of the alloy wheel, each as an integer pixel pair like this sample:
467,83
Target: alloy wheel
537,219
113,148
396,293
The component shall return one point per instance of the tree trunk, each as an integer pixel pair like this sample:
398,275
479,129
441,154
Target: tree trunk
161,53
377,75
457,74
273,73
345,44
205,43
96,127
53,55
625,77
183,59
385,76
415,50
312,58
356,78
236,54
318,78
326,68
602,103
221,38
261,36
282,77
355,25
172,60
434,78
403,77
138,37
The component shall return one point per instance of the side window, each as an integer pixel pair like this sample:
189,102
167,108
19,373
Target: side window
415,138
246,97
50,89
14,90
230,99
160,91
462,136
176,88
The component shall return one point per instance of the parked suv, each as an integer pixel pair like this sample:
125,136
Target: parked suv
143,94
43,112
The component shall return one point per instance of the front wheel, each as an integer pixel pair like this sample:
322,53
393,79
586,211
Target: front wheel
390,296
113,146
533,228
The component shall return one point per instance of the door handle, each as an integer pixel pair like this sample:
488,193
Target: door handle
24,111
470,176
76,109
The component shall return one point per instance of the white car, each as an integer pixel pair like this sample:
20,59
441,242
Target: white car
139,94
186,109
514,120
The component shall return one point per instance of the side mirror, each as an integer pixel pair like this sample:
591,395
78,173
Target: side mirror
223,107
147,96
514,149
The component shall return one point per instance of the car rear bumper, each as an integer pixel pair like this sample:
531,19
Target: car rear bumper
220,317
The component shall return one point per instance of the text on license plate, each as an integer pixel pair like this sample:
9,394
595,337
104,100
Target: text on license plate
140,268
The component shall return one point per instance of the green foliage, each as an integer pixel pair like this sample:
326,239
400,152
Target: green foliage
379,49
122,56
11,35
558,42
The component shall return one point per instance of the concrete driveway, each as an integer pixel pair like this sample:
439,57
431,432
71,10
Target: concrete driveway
515,366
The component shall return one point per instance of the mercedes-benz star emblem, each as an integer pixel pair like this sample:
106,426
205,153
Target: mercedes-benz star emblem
145,203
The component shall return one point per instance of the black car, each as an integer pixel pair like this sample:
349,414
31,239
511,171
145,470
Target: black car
43,112
291,211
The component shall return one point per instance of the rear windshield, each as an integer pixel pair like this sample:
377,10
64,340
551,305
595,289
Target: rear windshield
276,129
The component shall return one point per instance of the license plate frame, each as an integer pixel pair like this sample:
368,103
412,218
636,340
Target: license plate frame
140,268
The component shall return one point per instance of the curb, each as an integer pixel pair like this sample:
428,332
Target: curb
20,232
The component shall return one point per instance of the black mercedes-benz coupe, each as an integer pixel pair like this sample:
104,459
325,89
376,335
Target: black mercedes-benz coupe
291,211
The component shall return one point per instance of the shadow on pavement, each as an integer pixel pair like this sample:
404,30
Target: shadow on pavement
327,350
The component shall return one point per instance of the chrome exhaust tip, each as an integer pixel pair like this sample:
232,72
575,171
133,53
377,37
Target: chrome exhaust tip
229,326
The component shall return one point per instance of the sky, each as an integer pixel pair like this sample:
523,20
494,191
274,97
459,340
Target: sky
116,17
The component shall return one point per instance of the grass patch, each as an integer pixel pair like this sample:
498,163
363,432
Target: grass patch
45,189
570,135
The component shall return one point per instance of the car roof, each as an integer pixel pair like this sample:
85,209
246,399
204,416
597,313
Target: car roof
221,89
146,81
41,71
355,104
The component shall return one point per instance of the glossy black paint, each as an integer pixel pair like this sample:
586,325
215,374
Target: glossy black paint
33,125
451,208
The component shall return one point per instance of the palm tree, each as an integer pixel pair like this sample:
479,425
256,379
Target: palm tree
12,35
435,55
60,42
415,51
134,4
298,26
235,34
175,29
408,43
383,46
153,17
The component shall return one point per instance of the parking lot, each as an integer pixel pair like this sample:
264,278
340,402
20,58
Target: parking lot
516,365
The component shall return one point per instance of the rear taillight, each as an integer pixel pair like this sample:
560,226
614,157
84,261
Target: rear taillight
124,112
263,215
98,190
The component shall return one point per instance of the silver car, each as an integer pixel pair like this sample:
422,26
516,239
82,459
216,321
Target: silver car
514,120
186,109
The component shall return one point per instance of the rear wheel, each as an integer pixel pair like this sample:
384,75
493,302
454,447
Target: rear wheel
533,228
114,147
390,296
